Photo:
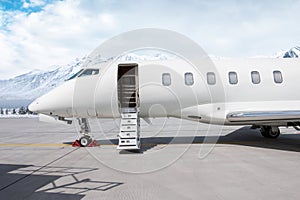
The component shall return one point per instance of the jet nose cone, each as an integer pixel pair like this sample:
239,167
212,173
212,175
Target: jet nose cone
56,102
33,107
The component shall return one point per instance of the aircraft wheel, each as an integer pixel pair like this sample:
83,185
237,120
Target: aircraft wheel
85,140
274,132
270,131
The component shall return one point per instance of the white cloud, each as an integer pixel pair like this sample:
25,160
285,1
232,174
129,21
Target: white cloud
64,30
32,3
56,35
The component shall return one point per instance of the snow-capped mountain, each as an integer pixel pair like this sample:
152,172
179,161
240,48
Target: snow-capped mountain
292,53
21,90
152,56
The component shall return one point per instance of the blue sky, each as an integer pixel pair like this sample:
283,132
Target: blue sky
25,6
39,34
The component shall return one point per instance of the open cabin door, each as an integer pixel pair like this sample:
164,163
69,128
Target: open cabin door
129,105
128,87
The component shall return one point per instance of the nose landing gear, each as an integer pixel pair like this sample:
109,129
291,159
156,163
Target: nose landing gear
85,140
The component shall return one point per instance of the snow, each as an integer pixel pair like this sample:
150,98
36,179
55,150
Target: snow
18,116
292,53
33,84
149,56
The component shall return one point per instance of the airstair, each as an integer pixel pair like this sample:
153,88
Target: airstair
129,135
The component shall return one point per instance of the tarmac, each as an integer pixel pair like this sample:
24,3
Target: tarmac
179,160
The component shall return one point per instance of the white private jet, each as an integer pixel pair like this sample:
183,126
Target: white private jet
257,91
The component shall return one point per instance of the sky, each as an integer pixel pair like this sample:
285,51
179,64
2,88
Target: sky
41,34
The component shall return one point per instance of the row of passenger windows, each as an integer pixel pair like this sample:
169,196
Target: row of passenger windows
188,79
233,77
255,77
211,78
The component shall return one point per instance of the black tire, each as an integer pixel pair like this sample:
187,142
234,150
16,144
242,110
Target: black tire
84,141
274,133
269,132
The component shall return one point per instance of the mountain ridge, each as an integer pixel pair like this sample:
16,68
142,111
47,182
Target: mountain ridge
22,89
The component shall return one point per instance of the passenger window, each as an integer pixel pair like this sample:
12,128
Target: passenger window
255,77
188,78
89,72
166,79
211,78
233,79
277,77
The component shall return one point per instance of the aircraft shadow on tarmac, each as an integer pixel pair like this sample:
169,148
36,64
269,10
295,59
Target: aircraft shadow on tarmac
27,181
243,136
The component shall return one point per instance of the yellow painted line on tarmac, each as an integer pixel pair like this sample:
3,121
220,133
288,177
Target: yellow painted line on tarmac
35,145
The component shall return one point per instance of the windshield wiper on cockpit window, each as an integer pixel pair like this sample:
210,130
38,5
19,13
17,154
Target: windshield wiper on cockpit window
75,75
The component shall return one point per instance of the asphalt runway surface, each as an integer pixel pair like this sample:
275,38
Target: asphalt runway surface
178,160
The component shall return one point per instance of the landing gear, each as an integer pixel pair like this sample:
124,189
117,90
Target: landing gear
85,130
270,131
85,140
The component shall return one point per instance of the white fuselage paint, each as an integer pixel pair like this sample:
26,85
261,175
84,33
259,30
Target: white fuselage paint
96,95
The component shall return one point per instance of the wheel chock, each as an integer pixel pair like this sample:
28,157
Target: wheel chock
76,144
92,144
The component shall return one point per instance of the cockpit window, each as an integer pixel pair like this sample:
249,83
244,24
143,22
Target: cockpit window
89,72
